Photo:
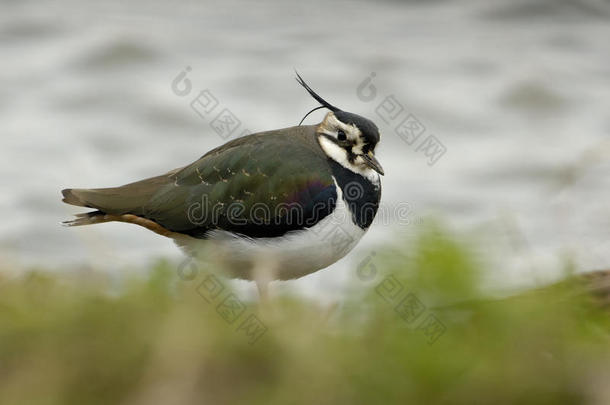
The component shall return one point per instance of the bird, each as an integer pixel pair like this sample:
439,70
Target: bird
273,205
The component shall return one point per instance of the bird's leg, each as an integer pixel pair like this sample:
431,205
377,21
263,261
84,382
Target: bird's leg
263,272
263,290
328,312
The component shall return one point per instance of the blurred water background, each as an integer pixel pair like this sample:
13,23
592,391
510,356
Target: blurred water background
518,92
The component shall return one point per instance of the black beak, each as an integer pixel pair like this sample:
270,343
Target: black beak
371,161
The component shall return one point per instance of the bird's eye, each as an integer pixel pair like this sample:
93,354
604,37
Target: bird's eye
341,135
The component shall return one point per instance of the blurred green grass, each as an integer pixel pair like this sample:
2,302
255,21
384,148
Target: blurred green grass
154,339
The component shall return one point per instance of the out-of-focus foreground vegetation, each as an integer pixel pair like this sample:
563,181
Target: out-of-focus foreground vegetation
399,337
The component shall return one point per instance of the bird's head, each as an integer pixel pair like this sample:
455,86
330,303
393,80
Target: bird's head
347,138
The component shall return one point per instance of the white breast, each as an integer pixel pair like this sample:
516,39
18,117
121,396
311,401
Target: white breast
292,255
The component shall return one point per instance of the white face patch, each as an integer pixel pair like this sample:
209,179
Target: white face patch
331,126
339,155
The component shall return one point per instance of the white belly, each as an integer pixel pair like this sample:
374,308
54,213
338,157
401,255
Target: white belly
292,255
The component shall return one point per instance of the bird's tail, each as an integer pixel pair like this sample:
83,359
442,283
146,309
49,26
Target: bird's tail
128,199
122,204
90,199
117,200
89,218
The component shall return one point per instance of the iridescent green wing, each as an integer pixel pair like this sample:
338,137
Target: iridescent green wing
262,185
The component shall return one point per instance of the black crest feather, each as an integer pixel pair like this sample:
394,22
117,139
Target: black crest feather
325,104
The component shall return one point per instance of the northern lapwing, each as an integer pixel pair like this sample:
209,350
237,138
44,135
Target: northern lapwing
289,201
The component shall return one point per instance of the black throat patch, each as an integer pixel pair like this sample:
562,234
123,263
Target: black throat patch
361,196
